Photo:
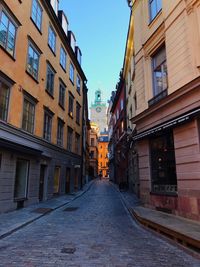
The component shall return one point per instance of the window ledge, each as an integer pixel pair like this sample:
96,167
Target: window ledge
36,25
49,94
63,68
170,194
32,77
151,22
52,50
61,106
70,115
158,97
71,81
12,57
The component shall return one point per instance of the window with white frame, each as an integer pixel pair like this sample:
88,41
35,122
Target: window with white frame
36,14
159,65
8,29
33,61
52,39
155,7
63,58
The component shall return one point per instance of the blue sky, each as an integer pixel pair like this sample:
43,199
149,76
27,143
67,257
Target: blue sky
101,29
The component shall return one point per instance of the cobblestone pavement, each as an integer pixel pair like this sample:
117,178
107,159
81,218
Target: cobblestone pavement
94,230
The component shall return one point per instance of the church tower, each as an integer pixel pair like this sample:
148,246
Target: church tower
98,112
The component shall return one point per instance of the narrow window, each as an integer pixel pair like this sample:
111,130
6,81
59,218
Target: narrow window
78,84
52,39
159,71
69,138
4,100
77,143
155,6
28,116
62,90
50,80
63,58
33,61
71,73
71,105
47,125
36,14
78,111
60,130
8,30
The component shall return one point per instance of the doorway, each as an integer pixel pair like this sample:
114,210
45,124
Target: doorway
67,183
42,179
56,180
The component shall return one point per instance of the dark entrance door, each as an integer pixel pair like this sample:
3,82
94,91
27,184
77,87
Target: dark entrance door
41,187
67,184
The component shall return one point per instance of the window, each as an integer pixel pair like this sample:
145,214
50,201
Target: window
69,138
62,95
77,143
63,58
122,104
92,154
159,71
28,116
33,61
4,100
71,105
60,130
50,80
71,73
8,31
21,179
54,4
52,39
47,125
36,14
78,84
155,6
78,111
117,114
163,165
92,141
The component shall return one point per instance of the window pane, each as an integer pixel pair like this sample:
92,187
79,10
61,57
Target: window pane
4,99
21,178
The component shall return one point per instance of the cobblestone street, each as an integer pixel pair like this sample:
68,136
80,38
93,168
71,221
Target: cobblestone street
95,230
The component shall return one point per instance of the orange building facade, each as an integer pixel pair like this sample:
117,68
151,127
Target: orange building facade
41,104
103,155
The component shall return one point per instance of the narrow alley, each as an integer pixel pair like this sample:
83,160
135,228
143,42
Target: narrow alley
94,230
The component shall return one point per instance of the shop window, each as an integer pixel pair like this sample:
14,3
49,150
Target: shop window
163,165
21,179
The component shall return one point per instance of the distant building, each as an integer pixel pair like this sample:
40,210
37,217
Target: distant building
93,150
98,112
103,154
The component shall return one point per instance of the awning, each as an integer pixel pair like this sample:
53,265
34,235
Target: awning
167,125
19,147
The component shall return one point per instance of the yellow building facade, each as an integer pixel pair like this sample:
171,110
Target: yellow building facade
41,102
103,155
